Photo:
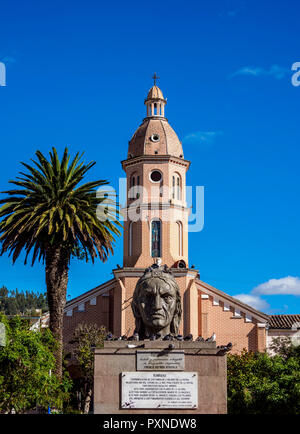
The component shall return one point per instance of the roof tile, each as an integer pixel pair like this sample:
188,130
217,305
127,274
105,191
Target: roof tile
283,321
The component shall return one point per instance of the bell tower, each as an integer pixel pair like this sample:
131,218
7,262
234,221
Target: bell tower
156,215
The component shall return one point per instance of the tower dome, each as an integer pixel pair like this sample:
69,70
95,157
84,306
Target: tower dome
155,93
155,136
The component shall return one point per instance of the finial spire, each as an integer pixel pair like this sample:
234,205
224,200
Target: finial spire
155,101
155,77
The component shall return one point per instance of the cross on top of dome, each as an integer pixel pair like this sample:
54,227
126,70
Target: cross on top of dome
155,77
155,100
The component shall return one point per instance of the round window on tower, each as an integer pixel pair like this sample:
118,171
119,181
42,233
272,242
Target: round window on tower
155,176
155,137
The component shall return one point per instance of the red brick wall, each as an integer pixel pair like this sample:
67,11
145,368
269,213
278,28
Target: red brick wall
98,314
201,316
229,328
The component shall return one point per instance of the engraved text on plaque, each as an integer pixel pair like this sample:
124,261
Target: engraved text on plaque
160,361
159,390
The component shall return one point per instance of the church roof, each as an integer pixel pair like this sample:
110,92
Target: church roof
217,294
155,93
155,136
283,321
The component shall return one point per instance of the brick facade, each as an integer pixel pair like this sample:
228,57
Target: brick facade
206,310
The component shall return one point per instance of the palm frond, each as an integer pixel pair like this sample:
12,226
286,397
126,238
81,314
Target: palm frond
52,207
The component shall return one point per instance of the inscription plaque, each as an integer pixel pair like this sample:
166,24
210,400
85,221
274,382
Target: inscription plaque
160,361
159,390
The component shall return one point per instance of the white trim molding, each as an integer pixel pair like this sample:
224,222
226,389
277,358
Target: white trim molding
232,304
106,287
248,317
93,301
81,307
237,313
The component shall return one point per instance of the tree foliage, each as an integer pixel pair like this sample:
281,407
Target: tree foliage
21,302
49,209
85,338
27,366
52,215
262,384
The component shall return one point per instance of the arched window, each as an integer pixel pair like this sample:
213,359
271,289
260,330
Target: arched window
178,189
176,186
156,238
131,188
130,239
137,194
134,191
180,240
173,187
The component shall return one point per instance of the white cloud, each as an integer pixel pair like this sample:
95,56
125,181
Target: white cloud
253,300
248,70
286,285
274,71
201,137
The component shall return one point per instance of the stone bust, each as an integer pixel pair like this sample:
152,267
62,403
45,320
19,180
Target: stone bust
156,303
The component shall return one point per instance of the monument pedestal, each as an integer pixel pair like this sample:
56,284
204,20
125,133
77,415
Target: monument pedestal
160,377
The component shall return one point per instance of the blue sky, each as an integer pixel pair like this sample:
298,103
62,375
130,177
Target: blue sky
77,75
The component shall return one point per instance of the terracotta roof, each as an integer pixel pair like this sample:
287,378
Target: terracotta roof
167,143
155,93
283,321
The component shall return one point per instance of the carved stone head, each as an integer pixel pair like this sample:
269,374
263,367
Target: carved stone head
156,303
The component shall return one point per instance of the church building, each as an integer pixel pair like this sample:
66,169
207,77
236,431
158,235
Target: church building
156,230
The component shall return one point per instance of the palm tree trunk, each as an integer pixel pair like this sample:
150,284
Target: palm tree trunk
57,269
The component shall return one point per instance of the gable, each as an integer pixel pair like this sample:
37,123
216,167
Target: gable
231,303
89,296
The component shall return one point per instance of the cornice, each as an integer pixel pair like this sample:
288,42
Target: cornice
138,272
159,118
87,296
155,159
231,301
154,206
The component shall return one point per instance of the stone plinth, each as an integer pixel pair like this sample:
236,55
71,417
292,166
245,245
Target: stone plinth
203,359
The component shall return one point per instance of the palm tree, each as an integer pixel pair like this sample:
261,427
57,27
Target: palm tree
55,218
